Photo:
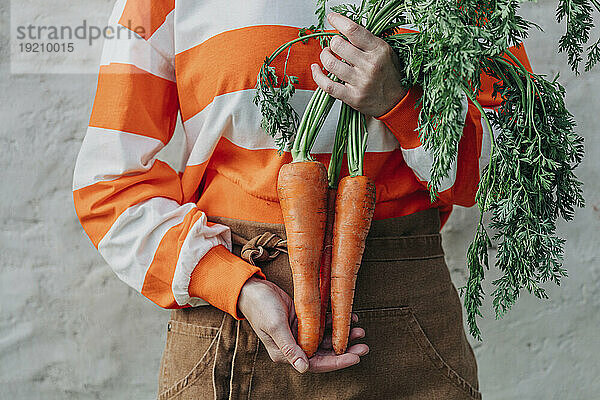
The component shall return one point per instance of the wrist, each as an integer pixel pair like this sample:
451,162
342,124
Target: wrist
402,119
395,97
247,293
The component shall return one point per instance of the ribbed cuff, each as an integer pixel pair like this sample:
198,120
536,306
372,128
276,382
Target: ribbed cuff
403,119
218,278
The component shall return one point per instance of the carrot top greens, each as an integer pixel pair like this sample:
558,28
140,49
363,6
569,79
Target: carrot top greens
529,183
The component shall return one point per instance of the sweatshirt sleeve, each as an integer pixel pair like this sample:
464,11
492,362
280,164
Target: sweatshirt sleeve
460,187
130,203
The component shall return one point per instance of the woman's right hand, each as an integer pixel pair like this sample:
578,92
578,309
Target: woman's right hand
271,314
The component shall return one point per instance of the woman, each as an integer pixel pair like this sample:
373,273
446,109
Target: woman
209,243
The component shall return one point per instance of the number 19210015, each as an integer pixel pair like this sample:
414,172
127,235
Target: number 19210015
46,47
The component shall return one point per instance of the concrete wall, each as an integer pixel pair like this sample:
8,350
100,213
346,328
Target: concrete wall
69,329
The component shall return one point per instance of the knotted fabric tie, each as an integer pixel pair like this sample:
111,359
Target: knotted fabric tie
260,248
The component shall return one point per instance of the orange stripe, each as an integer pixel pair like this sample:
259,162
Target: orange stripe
144,17
132,100
227,57
159,278
230,61
191,180
469,148
445,212
99,205
241,183
487,82
403,119
218,278
521,54
406,205
257,170
223,198
238,204
466,184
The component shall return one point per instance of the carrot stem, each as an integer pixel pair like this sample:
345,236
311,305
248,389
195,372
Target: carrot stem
312,121
339,146
357,143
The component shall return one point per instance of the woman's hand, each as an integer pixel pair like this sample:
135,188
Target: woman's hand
370,71
270,312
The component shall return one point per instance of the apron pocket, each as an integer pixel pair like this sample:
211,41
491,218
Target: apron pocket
189,355
403,354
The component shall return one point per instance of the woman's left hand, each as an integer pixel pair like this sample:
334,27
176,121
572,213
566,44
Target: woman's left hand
370,72
325,358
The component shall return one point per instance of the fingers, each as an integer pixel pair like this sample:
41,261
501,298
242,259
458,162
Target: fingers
335,89
270,313
271,347
328,319
360,349
358,35
288,348
347,51
294,329
326,360
338,67
355,333
328,363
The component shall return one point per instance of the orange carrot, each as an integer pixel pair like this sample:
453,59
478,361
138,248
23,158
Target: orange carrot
302,190
325,274
355,204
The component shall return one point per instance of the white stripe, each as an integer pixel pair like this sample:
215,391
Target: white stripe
235,117
484,157
198,21
154,56
117,12
131,243
199,240
163,39
107,155
421,160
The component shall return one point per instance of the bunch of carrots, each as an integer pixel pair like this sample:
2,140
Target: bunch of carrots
326,221
528,185
326,231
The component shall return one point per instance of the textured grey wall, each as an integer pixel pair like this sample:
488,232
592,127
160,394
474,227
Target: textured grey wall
69,329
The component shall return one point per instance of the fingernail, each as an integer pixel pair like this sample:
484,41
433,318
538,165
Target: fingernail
300,365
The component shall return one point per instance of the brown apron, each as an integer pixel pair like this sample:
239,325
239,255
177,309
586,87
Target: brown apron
405,301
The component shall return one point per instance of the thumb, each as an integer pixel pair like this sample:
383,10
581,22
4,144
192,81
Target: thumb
289,348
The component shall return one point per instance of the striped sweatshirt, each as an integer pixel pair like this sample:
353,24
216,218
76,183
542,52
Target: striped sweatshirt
200,60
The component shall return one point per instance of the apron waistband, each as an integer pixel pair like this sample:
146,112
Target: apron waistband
402,263
412,236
